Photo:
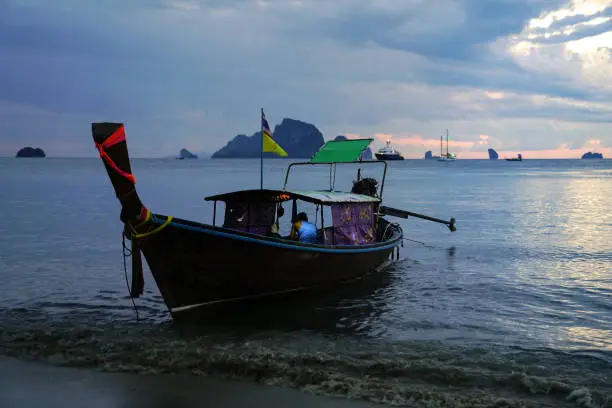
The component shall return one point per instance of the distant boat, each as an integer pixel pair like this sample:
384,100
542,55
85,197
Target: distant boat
446,156
517,158
388,153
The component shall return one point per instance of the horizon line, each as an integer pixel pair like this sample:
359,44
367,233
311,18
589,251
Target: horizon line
284,158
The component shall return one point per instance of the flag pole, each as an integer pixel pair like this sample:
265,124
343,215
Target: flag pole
261,152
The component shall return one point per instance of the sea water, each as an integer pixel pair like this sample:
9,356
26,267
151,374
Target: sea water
513,309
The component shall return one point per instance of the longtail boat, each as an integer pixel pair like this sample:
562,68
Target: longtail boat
196,265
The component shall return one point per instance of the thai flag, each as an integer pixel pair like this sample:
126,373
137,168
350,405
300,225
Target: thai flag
264,124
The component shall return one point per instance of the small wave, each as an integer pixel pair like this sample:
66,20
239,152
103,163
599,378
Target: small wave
415,373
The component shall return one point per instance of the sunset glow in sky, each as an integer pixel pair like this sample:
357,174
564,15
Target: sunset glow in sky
522,76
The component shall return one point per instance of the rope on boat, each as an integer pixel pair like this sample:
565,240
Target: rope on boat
154,231
384,234
118,136
126,254
145,218
418,242
403,238
129,232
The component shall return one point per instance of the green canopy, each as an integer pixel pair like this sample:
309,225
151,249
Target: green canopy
341,151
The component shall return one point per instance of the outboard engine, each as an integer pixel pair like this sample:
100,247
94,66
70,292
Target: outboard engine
366,186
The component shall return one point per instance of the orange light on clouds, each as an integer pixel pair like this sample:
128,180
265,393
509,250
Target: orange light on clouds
414,146
495,95
560,153
417,140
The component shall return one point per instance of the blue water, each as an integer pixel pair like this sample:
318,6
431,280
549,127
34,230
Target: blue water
515,306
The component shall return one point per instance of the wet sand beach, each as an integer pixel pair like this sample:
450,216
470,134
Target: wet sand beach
30,384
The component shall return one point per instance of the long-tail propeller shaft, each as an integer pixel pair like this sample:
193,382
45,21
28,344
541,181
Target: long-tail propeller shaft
394,212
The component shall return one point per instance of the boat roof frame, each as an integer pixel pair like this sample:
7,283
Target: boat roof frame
276,196
308,196
317,196
332,171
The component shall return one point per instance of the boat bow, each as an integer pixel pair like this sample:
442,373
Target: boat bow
109,139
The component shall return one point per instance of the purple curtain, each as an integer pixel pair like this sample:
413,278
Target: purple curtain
354,223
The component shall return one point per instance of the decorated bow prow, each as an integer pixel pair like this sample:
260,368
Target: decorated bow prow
109,139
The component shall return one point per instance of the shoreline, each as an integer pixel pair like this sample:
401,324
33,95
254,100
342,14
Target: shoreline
31,383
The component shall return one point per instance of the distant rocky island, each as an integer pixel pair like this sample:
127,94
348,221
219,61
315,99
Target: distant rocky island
186,154
299,139
430,156
31,152
591,155
367,153
493,154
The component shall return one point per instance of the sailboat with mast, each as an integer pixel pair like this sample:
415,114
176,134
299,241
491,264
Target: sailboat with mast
446,156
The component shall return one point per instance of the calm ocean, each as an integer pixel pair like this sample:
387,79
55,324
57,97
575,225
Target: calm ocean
513,309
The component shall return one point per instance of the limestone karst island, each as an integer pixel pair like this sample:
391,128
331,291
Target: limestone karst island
299,139
30,152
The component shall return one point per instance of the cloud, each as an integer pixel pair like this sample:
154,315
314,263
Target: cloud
526,73
419,141
16,117
445,29
573,43
414,147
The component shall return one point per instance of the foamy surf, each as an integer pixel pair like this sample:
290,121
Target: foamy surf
415,373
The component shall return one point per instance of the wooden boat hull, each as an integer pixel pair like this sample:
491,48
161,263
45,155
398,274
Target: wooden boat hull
197,265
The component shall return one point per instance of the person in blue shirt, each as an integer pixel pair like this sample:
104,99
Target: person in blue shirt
303,230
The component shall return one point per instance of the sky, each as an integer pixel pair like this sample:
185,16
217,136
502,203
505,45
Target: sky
520,76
